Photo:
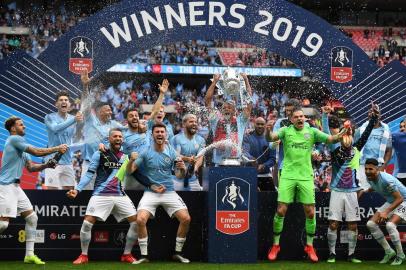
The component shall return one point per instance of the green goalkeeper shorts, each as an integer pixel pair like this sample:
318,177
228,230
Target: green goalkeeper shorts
303,189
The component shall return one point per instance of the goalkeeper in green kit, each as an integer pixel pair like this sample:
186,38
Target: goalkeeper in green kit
297,176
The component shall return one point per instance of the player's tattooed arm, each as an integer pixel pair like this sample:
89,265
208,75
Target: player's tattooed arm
337,137
40,152
32,167
198,164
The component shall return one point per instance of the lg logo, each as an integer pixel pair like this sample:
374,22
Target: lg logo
57,236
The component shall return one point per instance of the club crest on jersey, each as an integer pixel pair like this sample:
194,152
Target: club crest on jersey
232,205
81,55
341,64
306,136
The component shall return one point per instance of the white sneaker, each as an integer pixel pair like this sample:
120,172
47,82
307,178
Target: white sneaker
180,258
141,260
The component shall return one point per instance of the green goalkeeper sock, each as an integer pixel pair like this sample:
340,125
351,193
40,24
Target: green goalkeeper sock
277,228
310,230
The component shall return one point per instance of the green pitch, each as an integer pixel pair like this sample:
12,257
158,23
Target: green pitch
283,265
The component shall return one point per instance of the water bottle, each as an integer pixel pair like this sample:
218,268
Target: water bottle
52,162
57,157
189,172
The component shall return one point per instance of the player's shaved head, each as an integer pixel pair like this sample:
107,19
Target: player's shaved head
260,125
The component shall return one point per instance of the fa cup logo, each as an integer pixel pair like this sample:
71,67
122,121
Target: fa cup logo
232,208
81,48
81,55
341,64
232,194
342,57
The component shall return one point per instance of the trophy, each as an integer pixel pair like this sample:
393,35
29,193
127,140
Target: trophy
232,86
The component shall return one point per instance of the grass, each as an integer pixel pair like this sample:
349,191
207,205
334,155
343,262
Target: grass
282,265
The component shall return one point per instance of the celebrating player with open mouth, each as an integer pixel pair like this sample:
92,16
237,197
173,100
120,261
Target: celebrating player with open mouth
392,212
297,176
156,163
343,199
108,196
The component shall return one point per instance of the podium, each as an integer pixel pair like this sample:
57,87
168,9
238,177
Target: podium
232,214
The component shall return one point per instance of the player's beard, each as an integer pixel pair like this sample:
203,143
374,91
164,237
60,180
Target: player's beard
135,125
191,130
117,145
159,140
299,124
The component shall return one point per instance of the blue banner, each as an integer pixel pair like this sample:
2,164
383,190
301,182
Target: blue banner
205,70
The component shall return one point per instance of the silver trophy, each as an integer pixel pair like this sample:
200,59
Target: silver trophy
232,86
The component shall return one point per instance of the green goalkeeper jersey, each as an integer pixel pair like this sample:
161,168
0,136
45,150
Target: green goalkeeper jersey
297,148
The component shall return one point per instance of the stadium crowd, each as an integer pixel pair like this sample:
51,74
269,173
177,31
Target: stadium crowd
268,105
58,20
299,150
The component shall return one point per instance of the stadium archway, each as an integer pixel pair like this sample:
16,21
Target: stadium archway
120,30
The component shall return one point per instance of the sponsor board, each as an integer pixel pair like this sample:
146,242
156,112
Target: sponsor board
75,236
119,237
40,236
6,236
101,237
51,210
57,236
